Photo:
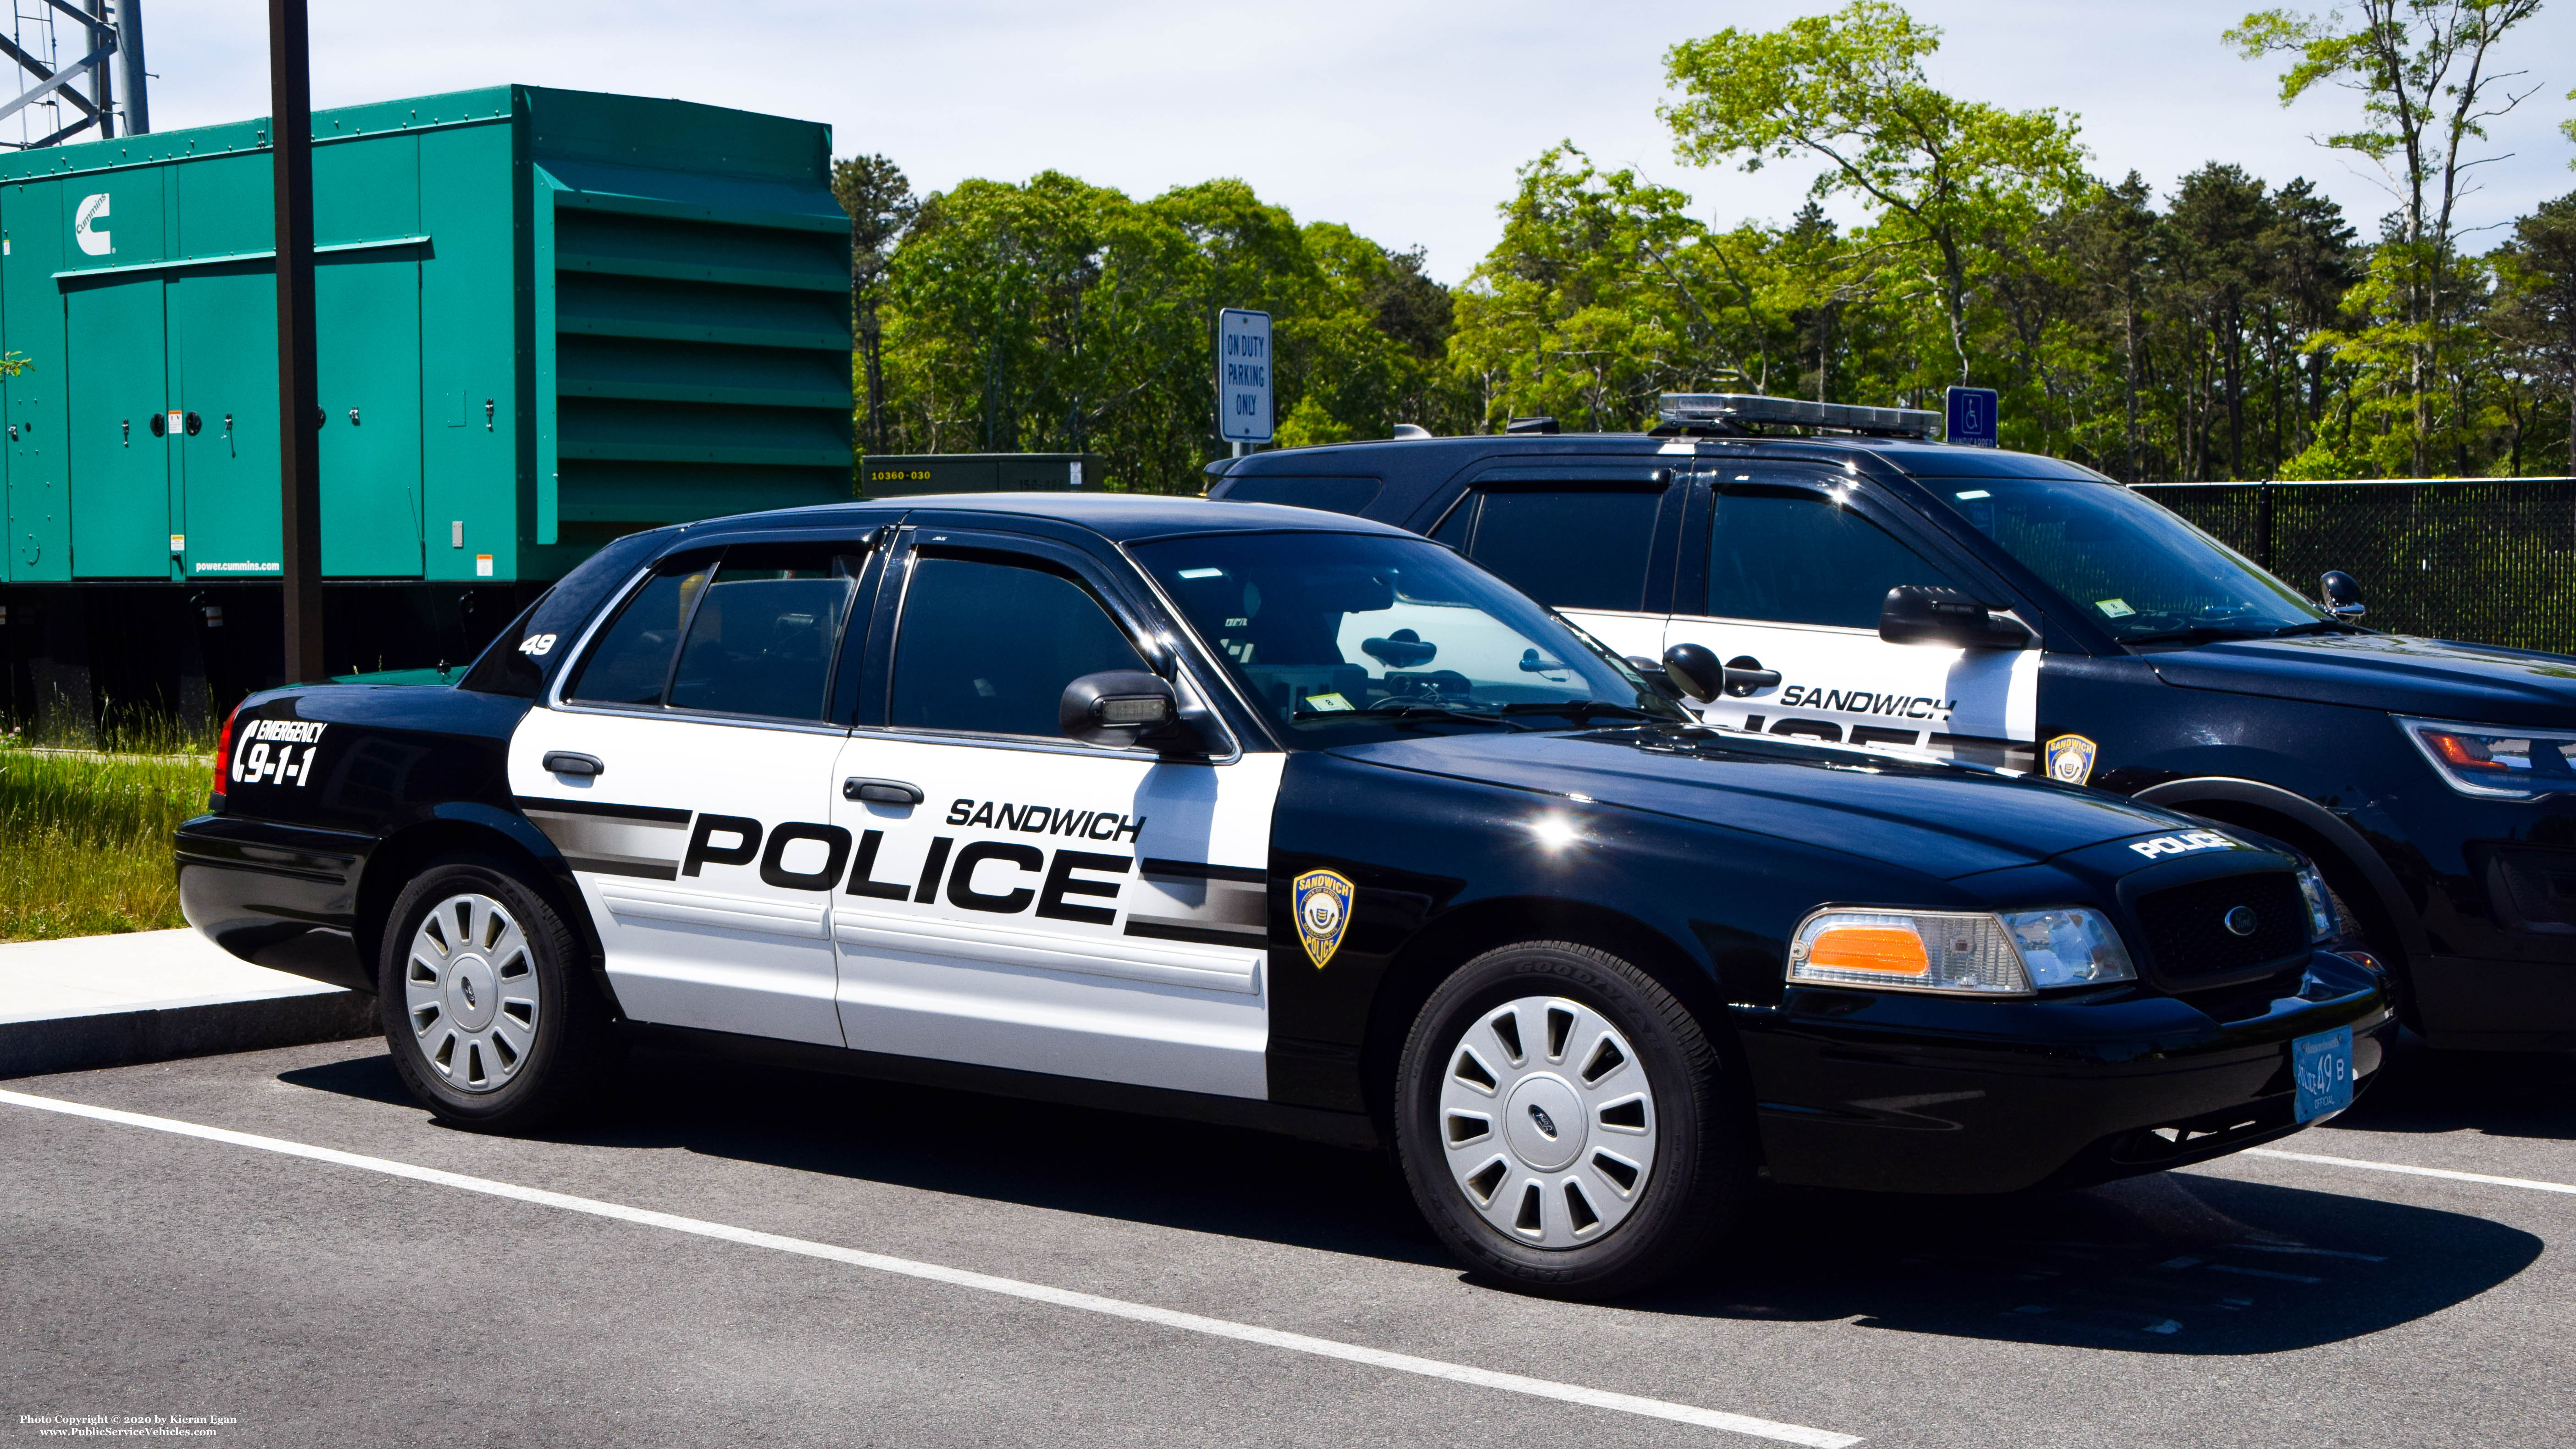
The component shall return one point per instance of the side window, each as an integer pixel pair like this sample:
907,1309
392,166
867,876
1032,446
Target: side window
761,639
1795,556
988,647
1577,549
1454,528
631,663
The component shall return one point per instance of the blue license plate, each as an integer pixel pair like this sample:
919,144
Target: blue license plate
2322,1067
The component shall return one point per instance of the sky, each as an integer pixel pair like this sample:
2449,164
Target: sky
1404,119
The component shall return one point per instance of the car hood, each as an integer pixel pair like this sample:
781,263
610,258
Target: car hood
2403,675
1947,821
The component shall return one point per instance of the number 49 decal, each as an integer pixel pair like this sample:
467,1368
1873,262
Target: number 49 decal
536,644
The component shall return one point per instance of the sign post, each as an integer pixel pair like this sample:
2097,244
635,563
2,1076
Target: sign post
299,411
1243,413
1971,417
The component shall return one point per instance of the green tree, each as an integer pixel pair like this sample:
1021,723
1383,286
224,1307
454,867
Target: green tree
1944,178
2535,317
2426,74
2215,266
1602,293
880,202
1059,315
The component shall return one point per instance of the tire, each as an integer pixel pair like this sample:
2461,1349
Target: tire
1562,1122
486,1002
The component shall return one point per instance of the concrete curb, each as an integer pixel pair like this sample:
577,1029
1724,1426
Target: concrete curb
124,1038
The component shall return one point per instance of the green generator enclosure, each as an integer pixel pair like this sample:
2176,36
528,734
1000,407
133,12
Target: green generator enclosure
891,476
545,318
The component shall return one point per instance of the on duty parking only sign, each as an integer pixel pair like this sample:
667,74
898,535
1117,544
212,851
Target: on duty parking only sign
1243,376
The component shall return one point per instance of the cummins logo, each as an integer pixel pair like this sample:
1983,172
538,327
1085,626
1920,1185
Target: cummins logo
89,226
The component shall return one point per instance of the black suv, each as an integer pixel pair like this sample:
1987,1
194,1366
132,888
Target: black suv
1857,583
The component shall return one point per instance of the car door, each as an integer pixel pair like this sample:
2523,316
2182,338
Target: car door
1592,539
1786,569
1019,899
684,768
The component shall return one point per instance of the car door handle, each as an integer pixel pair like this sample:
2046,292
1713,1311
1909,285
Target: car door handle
880,792
1745,675
565,762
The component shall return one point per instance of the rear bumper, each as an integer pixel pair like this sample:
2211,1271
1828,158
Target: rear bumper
1920,1094
279,896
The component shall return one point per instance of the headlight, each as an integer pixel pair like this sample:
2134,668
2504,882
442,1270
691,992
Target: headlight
2499,761
2068,946
2010,954
2322,925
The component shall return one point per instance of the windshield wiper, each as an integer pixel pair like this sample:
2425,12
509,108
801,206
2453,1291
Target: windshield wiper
1408,711
2196,634
1583,711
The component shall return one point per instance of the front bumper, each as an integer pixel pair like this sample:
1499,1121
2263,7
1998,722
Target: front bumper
1910,1093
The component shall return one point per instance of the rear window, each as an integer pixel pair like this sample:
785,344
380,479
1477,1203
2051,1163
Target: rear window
1333,495
1577,549
523,658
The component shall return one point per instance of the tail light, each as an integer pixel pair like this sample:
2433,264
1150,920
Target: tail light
224,751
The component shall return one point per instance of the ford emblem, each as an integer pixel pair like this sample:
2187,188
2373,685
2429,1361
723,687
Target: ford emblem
1546,1123
2241,921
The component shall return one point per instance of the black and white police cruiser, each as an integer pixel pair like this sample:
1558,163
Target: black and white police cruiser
1272,817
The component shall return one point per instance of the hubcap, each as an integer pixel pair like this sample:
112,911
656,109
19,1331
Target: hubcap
471,991
1547,1121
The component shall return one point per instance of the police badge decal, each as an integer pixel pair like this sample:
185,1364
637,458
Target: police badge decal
1322,903
2070,759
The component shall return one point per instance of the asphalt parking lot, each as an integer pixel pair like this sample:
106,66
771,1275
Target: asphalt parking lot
764,1256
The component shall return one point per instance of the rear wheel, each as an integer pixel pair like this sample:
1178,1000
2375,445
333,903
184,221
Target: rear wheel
485,1005
1562,1123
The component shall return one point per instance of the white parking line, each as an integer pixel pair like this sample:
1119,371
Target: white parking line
984,1282
2441,1172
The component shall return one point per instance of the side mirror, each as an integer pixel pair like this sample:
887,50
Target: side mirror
1694,669
1657,677
1126,707
1403,649
2343,595
1914,614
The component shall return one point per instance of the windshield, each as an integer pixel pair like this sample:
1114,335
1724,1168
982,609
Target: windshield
1340,638
2142,573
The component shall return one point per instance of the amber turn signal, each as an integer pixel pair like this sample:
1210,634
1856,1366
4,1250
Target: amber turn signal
1894,950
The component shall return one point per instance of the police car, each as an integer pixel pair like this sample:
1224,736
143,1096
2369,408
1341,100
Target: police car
1861,585
1262,816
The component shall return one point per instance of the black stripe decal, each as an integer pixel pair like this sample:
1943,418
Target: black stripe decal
655,813
642,869
1201,870
1202,935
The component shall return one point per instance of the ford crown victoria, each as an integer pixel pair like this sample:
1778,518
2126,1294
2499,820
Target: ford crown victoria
1269,817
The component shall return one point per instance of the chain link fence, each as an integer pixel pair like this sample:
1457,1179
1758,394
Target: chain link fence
2486,560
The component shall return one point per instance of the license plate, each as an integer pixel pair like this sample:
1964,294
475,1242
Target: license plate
2322,1067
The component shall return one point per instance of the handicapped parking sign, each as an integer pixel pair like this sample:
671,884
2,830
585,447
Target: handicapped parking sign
1971,417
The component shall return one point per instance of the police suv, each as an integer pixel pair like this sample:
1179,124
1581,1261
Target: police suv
1273,817
1860,585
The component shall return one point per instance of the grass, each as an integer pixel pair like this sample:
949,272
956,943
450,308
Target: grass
87,833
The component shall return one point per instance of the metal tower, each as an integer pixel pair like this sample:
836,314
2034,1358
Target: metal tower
107,36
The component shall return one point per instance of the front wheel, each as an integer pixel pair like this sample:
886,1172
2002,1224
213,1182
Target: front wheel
484,1000
1563,1125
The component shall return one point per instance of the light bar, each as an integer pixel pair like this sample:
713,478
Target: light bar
1737,407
